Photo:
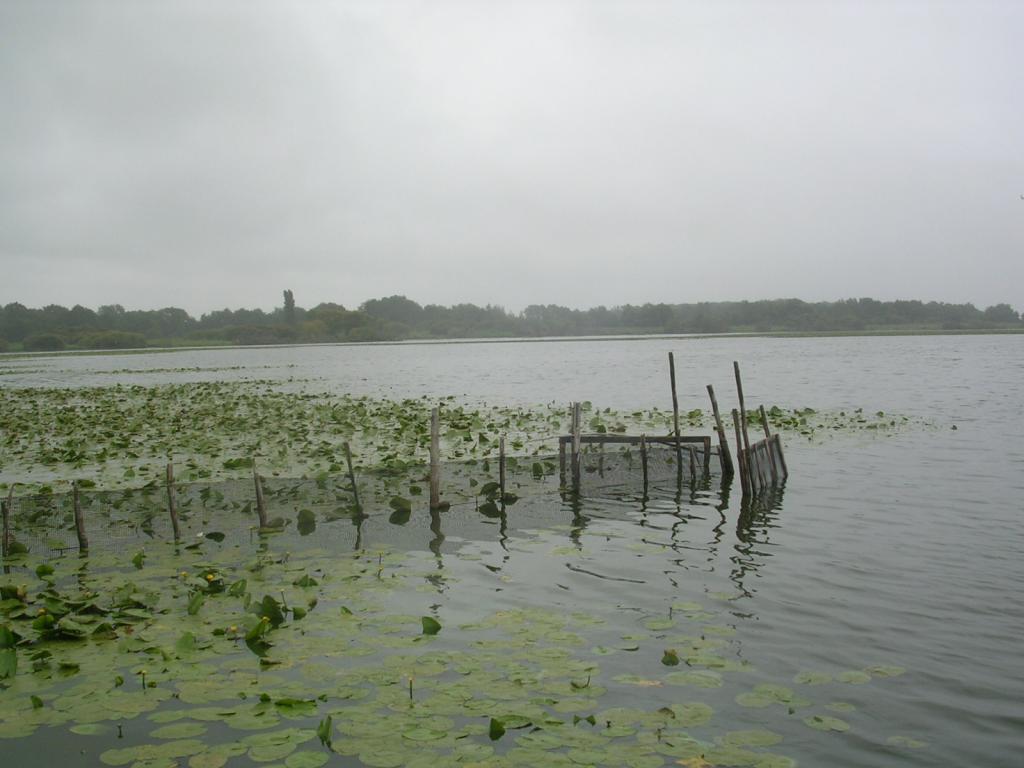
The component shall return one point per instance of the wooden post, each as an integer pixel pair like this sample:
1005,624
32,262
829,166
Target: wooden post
768,444
740,455
675,408
743,408
5,536
723,443
643,459
172,503
561,461
693,463
501,467
576,446
83,540
261,506
675,400
435,458
352,478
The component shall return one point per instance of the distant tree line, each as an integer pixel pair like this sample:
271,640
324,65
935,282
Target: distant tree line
396,317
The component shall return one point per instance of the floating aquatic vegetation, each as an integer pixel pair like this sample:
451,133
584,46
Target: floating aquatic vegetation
123,435
290,650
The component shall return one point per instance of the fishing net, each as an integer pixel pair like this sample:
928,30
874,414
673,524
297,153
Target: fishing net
386,508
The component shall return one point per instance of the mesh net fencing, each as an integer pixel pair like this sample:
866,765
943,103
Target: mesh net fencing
392,506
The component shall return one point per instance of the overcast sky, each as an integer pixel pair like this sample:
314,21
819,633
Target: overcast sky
211,154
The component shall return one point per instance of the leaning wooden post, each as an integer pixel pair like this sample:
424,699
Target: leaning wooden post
675,400
501,467
576,446
768,444
723,443
261,506
741,455
83,540
172,503
352,478
743,409
675,407
435,458
643,459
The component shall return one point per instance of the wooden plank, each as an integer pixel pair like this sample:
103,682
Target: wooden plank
635,439
172,503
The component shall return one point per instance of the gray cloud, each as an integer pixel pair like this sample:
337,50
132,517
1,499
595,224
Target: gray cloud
210,154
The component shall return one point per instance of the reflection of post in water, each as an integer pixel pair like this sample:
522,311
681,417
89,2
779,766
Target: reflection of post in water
357,520
437,580
503,524
759,511
579,520
496,511
723,504
757,515
438,540
643,464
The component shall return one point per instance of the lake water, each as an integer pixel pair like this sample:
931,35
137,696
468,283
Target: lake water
897,549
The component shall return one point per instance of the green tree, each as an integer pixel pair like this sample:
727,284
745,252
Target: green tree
289,307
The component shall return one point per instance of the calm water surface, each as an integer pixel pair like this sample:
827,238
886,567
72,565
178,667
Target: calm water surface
902,549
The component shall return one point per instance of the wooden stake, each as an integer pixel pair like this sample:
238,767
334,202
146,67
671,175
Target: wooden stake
768,444
693,463
675,400
501,467
675,410
576,427
723,443
643,459
743,408
435,458
741,455
83,540
5,536
261,506
172,503
352,478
